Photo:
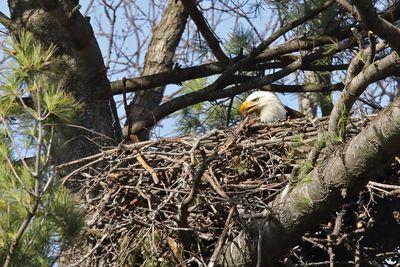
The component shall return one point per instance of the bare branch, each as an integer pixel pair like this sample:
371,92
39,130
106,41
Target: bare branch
260,48
6,21
208,93
178,76
203,27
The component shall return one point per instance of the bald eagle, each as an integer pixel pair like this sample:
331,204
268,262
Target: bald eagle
268,107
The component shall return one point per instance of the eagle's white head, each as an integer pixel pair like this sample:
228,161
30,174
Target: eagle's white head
266,104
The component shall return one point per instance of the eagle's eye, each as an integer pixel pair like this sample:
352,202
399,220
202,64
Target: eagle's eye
256,99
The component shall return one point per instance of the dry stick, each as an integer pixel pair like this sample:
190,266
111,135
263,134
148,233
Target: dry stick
214,183
78,263
65,178
229,141
314,243
222,238
386,186
148,168
197,143
184,208
126,107
338,223
177,251
228,117
330,251
109,152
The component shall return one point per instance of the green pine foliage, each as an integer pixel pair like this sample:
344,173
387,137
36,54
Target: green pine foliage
32,105
205,116
240,41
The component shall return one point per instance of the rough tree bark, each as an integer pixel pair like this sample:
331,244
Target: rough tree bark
159,58
83,71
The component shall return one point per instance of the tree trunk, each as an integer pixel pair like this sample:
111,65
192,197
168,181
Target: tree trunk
159,58
83,72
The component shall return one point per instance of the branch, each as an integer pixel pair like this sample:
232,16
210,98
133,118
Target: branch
376,71
303,88
260,48
377,24
203,27
177,76
349,8
207,94
204,95
357,63
7,22
301,208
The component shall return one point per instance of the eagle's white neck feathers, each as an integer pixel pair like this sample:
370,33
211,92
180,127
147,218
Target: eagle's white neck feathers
268,105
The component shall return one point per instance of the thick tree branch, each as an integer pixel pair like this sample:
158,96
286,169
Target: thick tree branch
206,94
205,70
377,24
178,76
357,63
304,205
393,13
203,27
377,70
303,88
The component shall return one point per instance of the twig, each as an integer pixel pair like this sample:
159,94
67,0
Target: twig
214,183
338,223
184,207
204,28
222,238
7,22
177,251
148,168
98,244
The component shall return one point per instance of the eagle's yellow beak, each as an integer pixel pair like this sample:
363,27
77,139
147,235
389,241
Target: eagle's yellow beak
247,107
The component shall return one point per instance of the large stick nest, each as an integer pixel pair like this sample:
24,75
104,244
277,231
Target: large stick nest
167,202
